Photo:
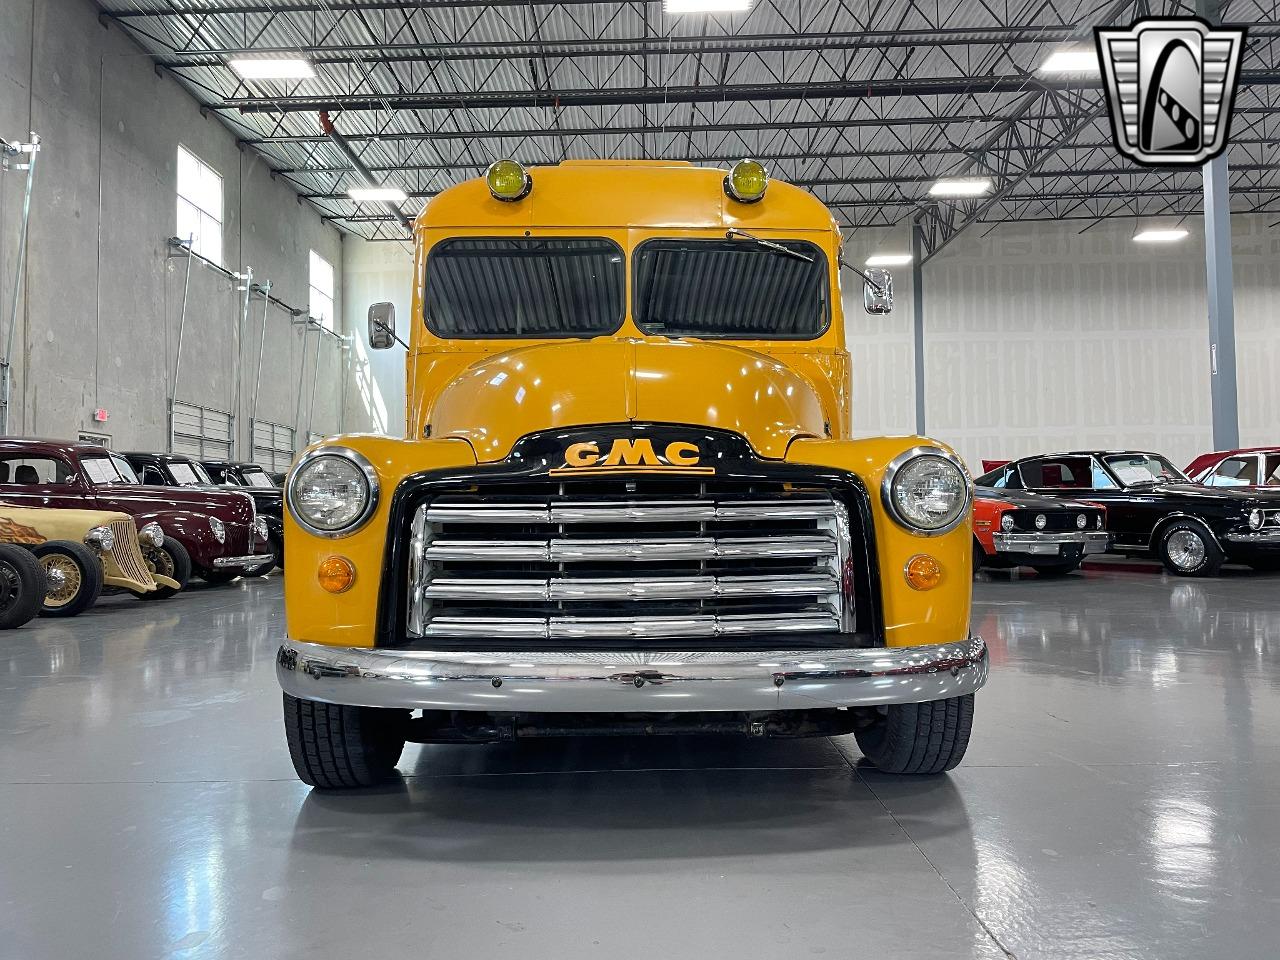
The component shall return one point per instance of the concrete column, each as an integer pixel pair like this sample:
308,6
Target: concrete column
1221,302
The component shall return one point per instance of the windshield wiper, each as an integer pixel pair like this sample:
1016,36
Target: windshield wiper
733,232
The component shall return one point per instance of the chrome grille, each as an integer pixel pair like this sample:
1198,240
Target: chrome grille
569,565
127,554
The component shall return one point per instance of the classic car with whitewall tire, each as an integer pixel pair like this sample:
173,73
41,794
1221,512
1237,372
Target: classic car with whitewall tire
212,533
22,586
178,470
1154,510
1013,528
83,551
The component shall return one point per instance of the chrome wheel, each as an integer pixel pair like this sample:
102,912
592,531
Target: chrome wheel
158,561
1186,549
63,577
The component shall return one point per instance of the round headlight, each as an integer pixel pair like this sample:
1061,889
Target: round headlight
747,181
219,529
1081,522
508,180
100,538
333,491
926,491
1006,522
1041,521
260,529
152,534
1256,519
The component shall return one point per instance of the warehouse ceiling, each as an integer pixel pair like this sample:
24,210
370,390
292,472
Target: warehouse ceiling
865,103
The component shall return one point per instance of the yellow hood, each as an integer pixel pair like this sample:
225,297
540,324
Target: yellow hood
493,403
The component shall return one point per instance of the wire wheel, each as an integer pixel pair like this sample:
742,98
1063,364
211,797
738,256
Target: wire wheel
1186,549
63,576
158,561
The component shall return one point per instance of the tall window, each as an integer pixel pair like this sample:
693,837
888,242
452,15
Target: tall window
322,290
199,205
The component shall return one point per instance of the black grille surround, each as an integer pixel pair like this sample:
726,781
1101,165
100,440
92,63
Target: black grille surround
1057,519
523,479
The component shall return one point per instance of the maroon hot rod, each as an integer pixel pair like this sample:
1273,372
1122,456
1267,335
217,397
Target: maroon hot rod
215,534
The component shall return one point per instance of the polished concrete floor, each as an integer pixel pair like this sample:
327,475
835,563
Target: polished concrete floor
1121,799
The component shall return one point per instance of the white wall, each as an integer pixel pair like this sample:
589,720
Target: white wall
1037,337
373,271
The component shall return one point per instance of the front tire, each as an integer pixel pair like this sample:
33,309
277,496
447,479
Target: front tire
337,747
1058,569
73,577
216,578
170,560
22,586
1187,549
926,737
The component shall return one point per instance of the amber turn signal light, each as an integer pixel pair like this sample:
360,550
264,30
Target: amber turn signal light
336,574
923,572
508,180
747,181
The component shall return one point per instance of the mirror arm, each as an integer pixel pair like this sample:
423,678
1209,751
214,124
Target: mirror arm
394,336
880,291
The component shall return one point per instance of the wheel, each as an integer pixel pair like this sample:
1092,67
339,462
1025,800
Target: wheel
336,747
276,549
170,560
1057,569
1187,549
217,578
979,555
918,737
73,576
22,586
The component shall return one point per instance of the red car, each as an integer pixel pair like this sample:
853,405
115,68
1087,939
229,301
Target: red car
1013,528
214,533
1253,467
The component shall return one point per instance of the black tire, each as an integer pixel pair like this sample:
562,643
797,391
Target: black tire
1187,549
216,578
979,555
337,747
918,737
170,560
22,586
276,549
1058,569
73,577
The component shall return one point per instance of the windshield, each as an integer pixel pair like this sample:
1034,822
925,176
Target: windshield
528,287
256,478
1139,468
185,474
730,288
110,469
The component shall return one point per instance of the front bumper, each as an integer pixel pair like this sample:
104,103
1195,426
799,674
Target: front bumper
621,682
1267,537
1052,544
252,560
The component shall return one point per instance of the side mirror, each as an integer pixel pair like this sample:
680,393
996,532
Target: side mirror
382,325
877,292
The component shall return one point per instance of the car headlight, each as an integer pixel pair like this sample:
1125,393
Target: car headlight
1006,522
1256,519
1099,523
152,534
219,529
1041,521
926,490
100,538
260,529
332,492
1081,522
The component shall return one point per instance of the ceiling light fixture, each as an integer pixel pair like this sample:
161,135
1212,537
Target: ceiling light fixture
960,187
888,259
705,6
1071,61
1154,235
392,194
258,68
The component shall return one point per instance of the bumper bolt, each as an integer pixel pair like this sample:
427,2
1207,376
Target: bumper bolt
638,681
779,679
496,681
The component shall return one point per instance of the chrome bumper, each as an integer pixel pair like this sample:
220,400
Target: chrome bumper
249,561
1267,538
623,682
1050,544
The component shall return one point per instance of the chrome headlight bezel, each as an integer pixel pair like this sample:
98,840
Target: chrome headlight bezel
101,539
152,534
894,471
371,490
1006,522
1256,519
260,529
218,529
1081,522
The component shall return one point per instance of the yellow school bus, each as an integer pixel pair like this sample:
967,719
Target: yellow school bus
627,499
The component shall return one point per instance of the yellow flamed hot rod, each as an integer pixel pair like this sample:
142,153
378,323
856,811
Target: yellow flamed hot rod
628,499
